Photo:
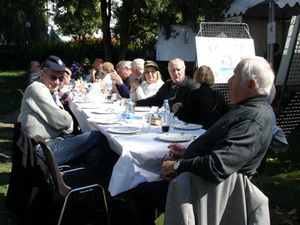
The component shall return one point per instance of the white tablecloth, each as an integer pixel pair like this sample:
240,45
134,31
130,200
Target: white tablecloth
141,154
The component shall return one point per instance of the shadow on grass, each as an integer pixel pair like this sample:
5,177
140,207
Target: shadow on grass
4,178
5,150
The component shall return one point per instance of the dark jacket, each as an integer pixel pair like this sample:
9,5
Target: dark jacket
204,106
124,88
174,93
29,194
237,142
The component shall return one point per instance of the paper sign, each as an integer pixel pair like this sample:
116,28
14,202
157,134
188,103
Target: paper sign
222,54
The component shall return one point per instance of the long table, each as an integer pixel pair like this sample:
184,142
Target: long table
141,153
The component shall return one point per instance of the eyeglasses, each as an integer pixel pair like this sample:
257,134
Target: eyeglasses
54,78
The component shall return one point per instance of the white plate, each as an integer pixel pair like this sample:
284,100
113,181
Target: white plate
187,126
82,101
104,111
175,137
85,106
123,130
142,109
104,120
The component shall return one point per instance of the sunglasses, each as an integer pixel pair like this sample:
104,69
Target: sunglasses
54,78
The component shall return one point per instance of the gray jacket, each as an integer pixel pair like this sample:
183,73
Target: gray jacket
235,201
41,115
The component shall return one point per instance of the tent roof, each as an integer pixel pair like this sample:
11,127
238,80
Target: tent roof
241,6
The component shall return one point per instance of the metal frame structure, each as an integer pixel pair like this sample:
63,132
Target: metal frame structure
288,98
288,107
224,30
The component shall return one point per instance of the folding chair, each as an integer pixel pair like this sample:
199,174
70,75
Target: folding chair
65,191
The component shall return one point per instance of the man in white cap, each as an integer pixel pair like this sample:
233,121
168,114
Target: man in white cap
42,114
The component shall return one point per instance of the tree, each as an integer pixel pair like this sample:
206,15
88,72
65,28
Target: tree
78,18
106,17
138,20
22,22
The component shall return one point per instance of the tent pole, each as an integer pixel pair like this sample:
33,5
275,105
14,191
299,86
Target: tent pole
270,50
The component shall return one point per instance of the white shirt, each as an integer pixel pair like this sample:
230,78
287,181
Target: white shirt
146,90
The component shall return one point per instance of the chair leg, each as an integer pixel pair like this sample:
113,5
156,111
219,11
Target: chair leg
83,190
105,205
63,209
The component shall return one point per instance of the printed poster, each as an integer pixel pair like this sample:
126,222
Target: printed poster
222,54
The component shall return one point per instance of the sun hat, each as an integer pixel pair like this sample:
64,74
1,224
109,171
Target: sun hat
151,63
55,63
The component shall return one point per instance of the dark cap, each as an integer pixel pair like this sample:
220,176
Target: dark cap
55,63
149,63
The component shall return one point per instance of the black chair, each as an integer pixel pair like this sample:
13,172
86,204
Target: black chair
75,199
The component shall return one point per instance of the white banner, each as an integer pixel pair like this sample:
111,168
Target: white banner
222,54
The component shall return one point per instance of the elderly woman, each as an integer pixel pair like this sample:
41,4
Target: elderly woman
205,105
150,84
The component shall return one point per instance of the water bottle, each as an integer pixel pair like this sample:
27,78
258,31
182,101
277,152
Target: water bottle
165,116
129,110
166,106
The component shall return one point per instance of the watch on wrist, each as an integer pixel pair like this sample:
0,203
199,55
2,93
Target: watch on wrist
176,165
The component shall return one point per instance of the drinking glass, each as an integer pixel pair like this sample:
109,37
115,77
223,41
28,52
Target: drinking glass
165,123
146,122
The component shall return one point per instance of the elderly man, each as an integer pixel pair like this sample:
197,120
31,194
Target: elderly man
237,142
42,114
121,78
137,67
175,89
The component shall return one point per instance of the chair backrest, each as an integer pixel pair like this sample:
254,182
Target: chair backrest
57,179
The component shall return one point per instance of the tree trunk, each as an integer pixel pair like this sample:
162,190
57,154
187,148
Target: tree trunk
106,16
126,21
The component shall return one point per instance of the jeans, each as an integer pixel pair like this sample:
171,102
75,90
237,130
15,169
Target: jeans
84,148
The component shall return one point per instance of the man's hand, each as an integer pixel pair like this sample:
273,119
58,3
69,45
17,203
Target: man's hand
167,170
116,78
176,107
176,151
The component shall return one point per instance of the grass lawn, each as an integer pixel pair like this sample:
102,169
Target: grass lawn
281,177
10,84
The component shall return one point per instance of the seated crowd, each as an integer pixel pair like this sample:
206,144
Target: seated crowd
236,140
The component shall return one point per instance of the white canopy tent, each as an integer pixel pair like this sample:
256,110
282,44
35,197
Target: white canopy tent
271,9
241,6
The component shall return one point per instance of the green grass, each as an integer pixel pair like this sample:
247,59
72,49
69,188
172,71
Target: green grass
5,168
10,96
10,100
281,176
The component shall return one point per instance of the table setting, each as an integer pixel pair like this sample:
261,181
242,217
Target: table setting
140,142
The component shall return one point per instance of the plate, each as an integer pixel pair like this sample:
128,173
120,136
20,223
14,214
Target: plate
82,101
175,137
142,109
104,120
123,130
187,126
104,111
89,107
